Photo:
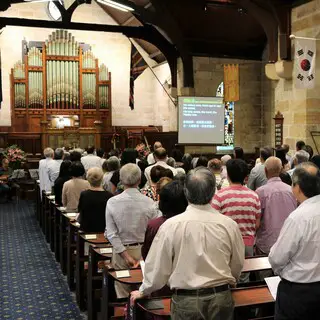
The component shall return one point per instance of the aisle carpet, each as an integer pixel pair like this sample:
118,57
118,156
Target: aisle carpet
31,283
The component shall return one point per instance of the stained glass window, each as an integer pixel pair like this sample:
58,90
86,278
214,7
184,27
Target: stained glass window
228,122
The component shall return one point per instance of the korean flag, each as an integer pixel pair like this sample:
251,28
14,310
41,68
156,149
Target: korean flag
305,63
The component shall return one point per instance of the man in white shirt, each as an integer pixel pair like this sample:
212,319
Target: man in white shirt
45,183
199,254
161,158
90,160
54,166
295,257
151,159
127,216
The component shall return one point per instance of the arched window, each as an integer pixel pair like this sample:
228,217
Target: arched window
228,121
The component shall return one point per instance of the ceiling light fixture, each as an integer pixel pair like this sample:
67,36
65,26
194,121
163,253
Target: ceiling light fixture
116,5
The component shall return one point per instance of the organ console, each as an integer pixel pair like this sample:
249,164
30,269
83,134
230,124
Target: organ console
63,78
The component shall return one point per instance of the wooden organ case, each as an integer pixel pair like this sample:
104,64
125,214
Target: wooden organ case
63,78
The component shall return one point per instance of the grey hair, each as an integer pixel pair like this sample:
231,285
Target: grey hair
113,163
306,175
225,159
171,162
48,152
95,176
58,153
200,186
130,175
301,156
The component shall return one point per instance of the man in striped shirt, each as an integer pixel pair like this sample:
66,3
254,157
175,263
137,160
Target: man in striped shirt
241,204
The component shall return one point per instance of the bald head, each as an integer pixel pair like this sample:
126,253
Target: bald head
273,167
310,167
160,154
157,145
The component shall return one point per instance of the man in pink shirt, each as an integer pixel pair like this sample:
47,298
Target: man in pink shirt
241,204
277,202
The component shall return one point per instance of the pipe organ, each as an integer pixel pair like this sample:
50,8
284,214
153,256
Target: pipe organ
61,78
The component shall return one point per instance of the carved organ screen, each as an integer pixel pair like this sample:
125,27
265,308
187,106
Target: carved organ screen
63,77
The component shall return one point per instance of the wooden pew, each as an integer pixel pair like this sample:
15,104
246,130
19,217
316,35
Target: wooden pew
109,300
256,264
136,278
38,200
51,217
81,258
56,231
65,218
246,297
72,234
98,254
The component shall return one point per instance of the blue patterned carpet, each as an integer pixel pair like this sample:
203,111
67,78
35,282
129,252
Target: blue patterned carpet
31,283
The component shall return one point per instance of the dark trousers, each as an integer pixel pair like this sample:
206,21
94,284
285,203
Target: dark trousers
296,301
215,306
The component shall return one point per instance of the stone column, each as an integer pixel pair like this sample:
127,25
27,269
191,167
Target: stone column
300,107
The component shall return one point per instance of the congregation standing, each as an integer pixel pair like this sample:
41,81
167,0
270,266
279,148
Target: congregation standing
195,220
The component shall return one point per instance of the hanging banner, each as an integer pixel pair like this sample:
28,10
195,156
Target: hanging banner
231,83
305,63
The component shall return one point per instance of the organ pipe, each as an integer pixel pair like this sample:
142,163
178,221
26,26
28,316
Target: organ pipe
61,54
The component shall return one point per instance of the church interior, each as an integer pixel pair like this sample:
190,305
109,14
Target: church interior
115,75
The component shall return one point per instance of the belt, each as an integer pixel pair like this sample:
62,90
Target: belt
133,244
204,291
300,284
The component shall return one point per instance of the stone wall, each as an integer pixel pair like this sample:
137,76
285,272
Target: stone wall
152,106
301,108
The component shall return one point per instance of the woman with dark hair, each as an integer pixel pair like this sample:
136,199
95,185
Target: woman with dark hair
177,155
64,176
75,156
309,149
156,173
316,160
100,152
72,189
238,153
202,162
172,202
187,162
128,156
284,175
281,154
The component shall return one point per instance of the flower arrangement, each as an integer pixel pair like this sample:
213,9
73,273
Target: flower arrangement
15,156
143,151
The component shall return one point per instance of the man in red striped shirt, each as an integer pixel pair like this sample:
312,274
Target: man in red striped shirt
241,204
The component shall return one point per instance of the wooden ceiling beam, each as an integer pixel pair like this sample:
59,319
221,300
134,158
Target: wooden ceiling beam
268,23
128,21
168,23
155,54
